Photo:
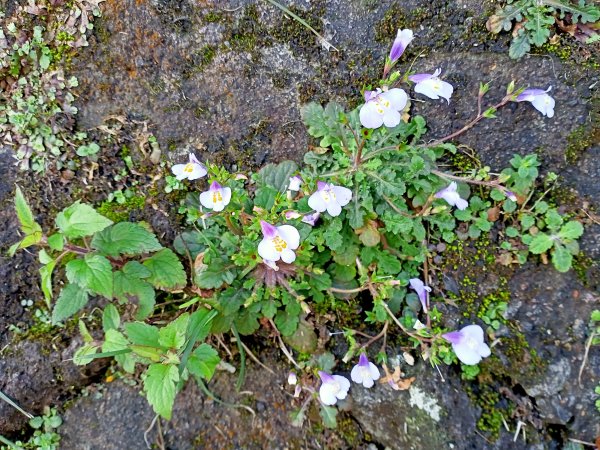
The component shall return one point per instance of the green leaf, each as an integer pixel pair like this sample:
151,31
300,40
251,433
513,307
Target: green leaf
333,237
519,45
396,223
79,358
56,242
166,271
110,318
142,334
173,334
571,230
46,284
93,272
329,415
265,197
580,12
561,258
160,386
539,20
325,122
541,243
213,275
125,238
198,328
28,224
203,362
128,283
278,175
115,341
80,220
71,299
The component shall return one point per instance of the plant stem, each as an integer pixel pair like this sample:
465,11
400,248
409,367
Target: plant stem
493,183
402,327
470,124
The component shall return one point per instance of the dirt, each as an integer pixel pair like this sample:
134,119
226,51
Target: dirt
227,81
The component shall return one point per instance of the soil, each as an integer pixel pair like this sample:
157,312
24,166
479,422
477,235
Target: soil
226,80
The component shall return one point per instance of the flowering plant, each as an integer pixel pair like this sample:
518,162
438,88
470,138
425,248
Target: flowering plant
281,249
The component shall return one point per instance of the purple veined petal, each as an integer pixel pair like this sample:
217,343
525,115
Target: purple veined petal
454,337
268,230
510,195
420,77
325,377
311,219
290,215
363,360
403,38
369,95
194,160
214,186
321,185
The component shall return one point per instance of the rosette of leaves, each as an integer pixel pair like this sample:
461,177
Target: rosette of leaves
531,20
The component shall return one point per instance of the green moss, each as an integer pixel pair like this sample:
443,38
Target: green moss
349,430
582,138
120,212
213,17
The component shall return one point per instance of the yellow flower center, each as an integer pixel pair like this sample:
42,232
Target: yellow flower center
189,168
437,85
217,197
328,194
279,244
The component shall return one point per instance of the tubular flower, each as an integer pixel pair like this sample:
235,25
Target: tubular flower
193,170
431,86
329,198
278,243
539,99
383,108
451,196
421,290
216,198
403,38
333,388
468,344
365,372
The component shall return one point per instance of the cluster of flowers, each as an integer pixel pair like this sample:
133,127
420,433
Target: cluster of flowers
384,106
468,344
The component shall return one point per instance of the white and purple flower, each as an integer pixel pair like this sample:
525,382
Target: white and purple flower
292,379
422,291
278,243
216,198
311,219
539,99
451,196
510,195
383,108
330,198
333,388
193,170
403,38
430,85
295,183
365,372
468,344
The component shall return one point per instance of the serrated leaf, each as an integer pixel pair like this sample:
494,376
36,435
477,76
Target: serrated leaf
278,175
580,11
332,236
71,299
80,220
519,45
503,18
571,230
142,334
125,238
28,223
110,318
160,386
203,361
541,243
166,271
537,25
324,122
329,416
93,272
561,258
396,223
213,275
173,334
198,328
115,341
128,285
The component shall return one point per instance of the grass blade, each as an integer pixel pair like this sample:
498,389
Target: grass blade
303,22
8,400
